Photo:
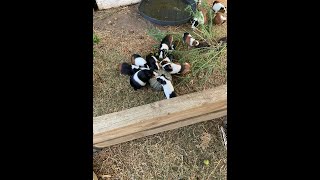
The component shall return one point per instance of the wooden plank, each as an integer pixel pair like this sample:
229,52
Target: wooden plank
157,109
160,121
106,4
168,127
129,123
95,176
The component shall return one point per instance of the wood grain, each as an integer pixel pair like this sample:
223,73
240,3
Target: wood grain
159,116
171,126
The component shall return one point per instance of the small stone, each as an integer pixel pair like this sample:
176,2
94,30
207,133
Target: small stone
109,22
115,18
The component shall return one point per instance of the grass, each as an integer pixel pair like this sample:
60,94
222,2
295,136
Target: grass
205,61
96,39
112,91
177,154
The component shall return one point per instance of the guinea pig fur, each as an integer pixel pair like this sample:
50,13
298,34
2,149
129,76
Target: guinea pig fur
217,6
168,39
167,87
219,18
152,62
140,78
175,68
163,51
128,69
185,68
200,17
137,60
188,39
166,65
165,46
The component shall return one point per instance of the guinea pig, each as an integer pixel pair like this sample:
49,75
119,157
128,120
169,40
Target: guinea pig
219,18
128,69
185,68
167,87
217,6
152,62
188,39
140,78
203,44
166,65
165,45
200,16
175,68
137,60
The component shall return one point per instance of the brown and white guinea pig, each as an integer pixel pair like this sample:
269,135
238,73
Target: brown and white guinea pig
219,18
137,60
217,6
140,78
128,69
175,68
152,62
167,86
165,45
200,17
188,39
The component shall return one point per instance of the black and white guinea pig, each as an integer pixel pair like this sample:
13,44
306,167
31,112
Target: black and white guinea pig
175,68
137,60
200,17
188,39
140,78
217,6
167,86
166,64
128,69
165,45
152,62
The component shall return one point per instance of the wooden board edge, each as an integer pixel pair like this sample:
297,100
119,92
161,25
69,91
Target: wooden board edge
175,125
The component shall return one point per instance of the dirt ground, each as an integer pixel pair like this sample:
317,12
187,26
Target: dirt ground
122,32
176,154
